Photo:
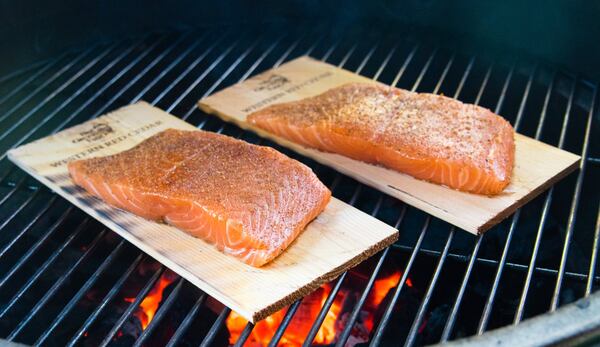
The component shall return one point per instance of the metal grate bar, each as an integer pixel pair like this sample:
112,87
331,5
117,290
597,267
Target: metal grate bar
57,91
173,106
41,87
248,72
492,262
574,204
525,292
36,246
525,98
407,61
68,100
461,292
260,59
39,125
291,49
410,340
486,79
444,74
189,68
121,73
164,307
243,78
343,338
366,59
507,81
13,190
76,112
385,62
489,303
378,335
244,335
31,78
214,329
464,77
168,68
138,76
248,329
108,297
543,218
502,263
38,306
323,312
84,288
453,314
541,122
594,258
18,209
18,72
345,58
200,78
284,323
414,328
81,108
135,304
381,328
424,70
329,51
231,67
25,229
101,90
354,316
356,310
189,318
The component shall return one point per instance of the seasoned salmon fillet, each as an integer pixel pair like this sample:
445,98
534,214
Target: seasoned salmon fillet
250,201
430,137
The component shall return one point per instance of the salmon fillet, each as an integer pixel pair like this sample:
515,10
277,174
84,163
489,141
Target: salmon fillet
249,201
430,137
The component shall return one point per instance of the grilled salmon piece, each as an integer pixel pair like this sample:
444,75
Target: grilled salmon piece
249,201
430,137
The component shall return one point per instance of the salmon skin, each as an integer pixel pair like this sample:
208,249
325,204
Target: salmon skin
250,201
430,137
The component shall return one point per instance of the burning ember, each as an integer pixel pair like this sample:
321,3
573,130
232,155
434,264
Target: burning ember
306,314
145,312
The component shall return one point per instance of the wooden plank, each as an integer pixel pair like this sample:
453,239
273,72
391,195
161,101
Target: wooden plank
340,238
537,165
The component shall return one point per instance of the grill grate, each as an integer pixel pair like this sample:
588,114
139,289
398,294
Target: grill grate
543,257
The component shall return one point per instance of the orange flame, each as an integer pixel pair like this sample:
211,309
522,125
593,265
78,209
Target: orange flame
307,313
326,333
149,305
384,285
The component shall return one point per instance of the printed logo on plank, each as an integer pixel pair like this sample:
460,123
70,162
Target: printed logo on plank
97,132
272,82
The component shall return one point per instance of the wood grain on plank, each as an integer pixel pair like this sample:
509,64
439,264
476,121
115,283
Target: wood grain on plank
340,238
537,165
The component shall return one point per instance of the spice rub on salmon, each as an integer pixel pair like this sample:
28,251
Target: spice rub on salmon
250,201
430,137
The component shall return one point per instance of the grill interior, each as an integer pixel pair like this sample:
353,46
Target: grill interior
63,276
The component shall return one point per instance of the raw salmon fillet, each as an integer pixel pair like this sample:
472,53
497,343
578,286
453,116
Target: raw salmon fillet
431,137
250,201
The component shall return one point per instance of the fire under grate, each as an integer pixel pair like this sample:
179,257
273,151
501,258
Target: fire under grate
66,280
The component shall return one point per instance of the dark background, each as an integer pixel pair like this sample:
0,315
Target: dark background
565,33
